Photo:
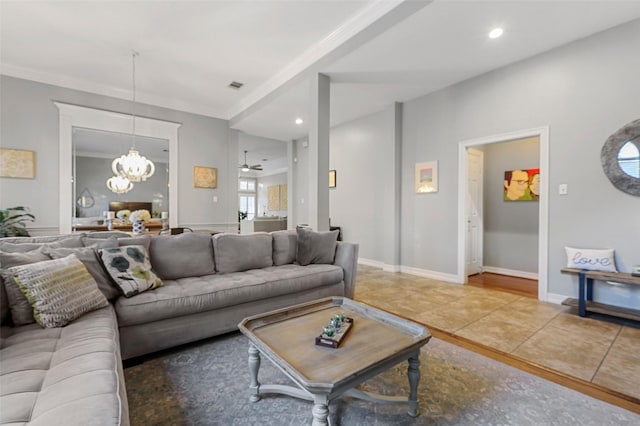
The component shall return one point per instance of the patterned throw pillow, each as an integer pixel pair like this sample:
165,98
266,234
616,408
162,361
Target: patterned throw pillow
59,290
130,268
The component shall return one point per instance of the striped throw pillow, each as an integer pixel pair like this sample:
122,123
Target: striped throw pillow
59,290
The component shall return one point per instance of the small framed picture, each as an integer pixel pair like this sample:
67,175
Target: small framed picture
17,163
426,177
332,179
205,177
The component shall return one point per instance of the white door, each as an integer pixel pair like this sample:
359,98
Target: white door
475,164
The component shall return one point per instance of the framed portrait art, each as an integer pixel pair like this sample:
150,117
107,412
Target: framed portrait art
426,177
205,177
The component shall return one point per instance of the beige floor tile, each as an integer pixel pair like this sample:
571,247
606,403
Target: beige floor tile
544,333
587,329
498,332
529,319
620,372
565,351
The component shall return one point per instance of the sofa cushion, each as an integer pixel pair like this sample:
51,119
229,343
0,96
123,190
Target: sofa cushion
100,242
130,269
187,296
183,255
68,375
21,310
236,253
59,290
22,247
144,240
285,244
316,247
40,240
89,257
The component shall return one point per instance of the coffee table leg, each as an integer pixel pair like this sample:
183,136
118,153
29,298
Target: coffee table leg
254,366
414,377
320,410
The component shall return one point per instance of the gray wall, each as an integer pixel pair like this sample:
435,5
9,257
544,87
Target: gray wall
30,121
584,92
92,173
360,155
510,227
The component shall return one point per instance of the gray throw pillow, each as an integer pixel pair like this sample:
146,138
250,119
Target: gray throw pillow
180,256
21,310
89,257
316,247
237,253
285,245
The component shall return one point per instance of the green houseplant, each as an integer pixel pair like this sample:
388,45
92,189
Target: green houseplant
13,222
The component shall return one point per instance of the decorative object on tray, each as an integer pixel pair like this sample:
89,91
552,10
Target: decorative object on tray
333,333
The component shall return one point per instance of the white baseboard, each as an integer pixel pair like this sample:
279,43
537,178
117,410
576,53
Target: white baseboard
442,276
370,262
409,270
511,272
43,231
390,268
556,298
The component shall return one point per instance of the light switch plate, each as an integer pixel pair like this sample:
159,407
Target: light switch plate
563,189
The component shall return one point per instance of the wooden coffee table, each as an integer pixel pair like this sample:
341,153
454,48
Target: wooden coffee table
376,342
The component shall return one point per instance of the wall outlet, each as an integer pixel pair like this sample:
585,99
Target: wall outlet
215,198
563,189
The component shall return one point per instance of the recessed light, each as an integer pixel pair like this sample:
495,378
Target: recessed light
496,32
299,121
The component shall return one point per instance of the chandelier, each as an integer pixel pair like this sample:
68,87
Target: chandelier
133,166
119,184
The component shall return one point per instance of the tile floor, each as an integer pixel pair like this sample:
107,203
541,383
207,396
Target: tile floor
546,334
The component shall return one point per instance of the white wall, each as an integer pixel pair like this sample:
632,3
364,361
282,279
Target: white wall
510,227
29,120
584,92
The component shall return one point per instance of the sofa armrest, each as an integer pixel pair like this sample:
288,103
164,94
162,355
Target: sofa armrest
347,258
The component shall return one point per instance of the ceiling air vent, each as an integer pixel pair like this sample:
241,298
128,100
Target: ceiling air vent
235,85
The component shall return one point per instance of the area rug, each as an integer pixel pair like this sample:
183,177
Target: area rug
206,383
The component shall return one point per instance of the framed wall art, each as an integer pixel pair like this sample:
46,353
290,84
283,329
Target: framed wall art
426,177
521,185
332,179
205,177
17,163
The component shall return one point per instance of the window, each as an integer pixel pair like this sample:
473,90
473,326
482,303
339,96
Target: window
247,197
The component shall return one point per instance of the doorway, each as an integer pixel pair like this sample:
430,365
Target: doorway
470,205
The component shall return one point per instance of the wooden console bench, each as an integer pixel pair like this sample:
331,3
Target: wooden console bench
585,293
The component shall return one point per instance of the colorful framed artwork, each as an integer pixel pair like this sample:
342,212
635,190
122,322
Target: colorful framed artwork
17,163
332,178
521,185
426,177
205,177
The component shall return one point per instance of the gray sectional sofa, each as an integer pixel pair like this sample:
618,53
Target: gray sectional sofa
72,375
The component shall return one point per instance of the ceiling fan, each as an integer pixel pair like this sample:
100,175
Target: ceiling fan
246,167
